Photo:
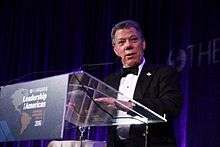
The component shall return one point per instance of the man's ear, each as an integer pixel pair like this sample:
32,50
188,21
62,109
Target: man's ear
115,50
144,45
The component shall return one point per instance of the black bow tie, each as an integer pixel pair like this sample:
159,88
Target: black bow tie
130,70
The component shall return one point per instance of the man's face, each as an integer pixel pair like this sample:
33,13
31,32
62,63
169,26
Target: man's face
129,45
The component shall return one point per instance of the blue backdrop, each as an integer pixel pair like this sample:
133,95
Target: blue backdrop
49,37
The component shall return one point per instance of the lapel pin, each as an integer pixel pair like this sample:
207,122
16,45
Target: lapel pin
148,74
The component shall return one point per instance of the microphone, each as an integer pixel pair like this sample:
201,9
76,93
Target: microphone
100,70
95,65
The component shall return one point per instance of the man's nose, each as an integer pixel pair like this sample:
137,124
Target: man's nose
128,45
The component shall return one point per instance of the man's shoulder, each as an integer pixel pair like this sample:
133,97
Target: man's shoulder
159,67
113,79
159,70
113,75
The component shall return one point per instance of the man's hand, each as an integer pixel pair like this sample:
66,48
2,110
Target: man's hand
114,103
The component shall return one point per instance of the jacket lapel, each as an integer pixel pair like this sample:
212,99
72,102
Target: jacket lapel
144,81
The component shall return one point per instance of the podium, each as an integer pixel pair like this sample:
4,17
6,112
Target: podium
38,109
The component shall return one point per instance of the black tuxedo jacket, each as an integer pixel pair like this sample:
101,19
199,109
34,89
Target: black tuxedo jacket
157,88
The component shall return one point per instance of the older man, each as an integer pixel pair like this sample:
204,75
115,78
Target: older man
156,87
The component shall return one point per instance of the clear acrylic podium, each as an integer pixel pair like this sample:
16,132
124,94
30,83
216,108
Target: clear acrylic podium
84,111
84,89
45,104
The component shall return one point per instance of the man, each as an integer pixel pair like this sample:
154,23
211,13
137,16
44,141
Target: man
156,87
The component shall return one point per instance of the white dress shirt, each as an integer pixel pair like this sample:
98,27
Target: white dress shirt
127,88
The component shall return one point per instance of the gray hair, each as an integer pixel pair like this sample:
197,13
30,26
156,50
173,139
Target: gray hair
125,25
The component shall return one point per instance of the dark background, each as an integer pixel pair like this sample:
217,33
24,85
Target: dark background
39,38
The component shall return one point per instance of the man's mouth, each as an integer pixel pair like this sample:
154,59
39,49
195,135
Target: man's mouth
130,55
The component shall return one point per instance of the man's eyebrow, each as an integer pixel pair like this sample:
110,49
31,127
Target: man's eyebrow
121,38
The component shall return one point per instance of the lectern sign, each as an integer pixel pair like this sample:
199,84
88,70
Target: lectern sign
27,109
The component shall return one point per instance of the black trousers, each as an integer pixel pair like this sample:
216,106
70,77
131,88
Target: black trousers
138,139
138,142
134,142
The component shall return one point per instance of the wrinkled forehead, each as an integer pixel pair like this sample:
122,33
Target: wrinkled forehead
126,33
